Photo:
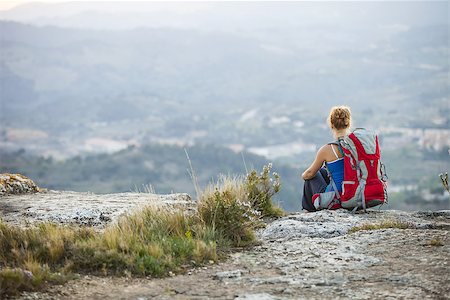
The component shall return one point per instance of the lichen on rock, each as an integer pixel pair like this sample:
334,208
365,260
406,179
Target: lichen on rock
16,184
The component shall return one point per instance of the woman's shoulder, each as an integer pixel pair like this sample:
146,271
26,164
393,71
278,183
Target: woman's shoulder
327,146
326,152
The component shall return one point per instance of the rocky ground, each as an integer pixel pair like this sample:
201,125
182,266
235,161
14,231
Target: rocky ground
300,256
22,203
80,208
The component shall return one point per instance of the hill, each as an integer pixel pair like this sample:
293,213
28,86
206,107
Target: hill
164,169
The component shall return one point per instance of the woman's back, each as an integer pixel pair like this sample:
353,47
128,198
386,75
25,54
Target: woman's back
335,165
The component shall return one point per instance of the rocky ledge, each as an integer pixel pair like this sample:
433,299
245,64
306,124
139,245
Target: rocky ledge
319,256
64,207
301,256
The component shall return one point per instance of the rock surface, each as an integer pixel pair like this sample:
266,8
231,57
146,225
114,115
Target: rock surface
16,184
306,256
81,208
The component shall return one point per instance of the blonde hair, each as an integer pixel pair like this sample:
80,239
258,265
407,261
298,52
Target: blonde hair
340,117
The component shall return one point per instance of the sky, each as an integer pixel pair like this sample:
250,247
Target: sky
8,4
223,15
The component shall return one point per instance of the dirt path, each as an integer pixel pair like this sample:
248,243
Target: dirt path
305,256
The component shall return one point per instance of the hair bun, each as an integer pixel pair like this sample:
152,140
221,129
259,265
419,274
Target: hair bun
340,117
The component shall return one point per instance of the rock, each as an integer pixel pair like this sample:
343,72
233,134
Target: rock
28,274
16,184
90,209
323,224
260,296
329,223
229,274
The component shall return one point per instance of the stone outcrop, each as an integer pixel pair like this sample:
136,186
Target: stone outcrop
75,208
328,224
317,256
16,184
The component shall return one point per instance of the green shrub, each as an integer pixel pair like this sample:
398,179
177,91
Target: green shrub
234,205
260,190
224,207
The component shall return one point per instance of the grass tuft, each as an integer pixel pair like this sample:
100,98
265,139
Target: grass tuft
382,225
435,242
234,206
223,208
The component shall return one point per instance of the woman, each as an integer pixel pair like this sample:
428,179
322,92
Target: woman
316,178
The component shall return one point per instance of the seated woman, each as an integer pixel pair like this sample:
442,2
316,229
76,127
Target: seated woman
316,177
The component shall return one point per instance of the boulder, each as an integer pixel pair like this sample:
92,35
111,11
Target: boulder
16,184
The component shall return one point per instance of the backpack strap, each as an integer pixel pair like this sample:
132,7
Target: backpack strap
363,198
338,144
335,154
333,185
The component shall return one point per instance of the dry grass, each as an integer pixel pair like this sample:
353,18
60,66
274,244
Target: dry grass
224,207
382,225
234,206
151,242
28,256
435,242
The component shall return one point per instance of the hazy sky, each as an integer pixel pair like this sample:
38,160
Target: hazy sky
8,4
5,5
225,15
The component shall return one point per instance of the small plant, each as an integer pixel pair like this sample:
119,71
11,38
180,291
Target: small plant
223,206
444,180
383,225
235,206
261,188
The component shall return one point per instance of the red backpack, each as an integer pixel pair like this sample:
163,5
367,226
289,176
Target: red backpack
364,183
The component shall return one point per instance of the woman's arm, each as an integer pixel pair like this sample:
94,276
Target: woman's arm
316,165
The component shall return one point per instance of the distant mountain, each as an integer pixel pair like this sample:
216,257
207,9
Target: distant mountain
69,76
